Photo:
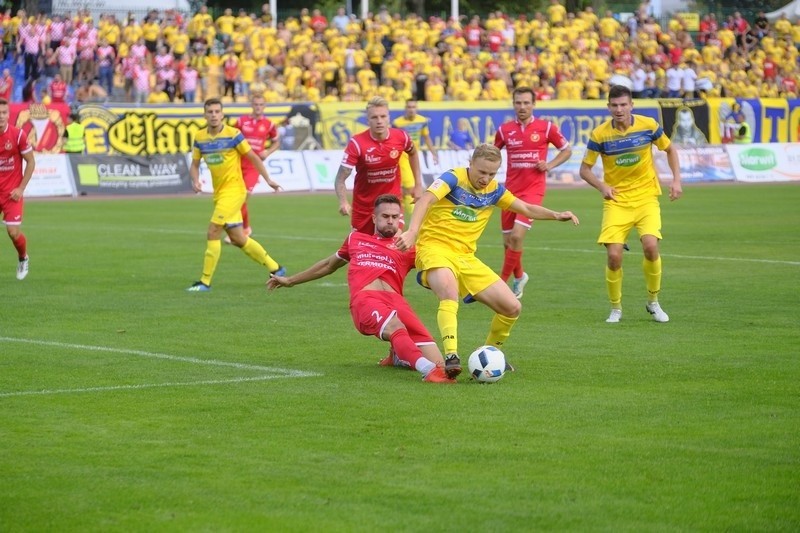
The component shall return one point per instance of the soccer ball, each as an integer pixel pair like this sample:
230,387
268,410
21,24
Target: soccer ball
487,364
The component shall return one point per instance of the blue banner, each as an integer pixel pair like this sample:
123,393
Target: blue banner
478,121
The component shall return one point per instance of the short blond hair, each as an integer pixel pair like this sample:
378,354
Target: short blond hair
486,151
377,101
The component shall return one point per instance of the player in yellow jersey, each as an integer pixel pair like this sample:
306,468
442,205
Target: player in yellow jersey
222,147
630,190
417,128
446,225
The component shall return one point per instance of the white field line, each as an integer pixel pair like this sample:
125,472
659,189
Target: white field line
276,373
595,250
135,387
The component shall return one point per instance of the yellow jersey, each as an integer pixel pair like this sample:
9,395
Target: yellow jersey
223,154
416,128
628,156
457,220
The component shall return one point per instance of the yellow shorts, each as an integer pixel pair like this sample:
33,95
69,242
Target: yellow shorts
406,176
472,275
228,208
619,219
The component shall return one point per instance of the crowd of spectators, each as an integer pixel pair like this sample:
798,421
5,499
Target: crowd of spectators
169,57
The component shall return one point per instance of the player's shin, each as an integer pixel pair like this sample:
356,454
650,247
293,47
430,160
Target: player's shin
257,253
213,251
447,319
409,352
652,278
511,262
614,286
21,244
500,330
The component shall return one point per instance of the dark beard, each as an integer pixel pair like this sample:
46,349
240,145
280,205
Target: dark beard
391,232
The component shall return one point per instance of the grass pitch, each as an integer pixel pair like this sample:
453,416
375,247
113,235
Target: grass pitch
127,404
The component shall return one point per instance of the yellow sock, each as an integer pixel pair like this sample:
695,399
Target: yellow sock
408,203
213,251
257,253
500,329
447,317
652,278
614,286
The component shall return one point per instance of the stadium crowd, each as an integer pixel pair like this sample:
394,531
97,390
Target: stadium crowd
562,55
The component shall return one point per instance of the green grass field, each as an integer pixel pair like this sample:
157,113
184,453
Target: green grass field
127,404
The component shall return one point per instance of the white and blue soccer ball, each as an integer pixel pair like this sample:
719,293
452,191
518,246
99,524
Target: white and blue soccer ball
487,364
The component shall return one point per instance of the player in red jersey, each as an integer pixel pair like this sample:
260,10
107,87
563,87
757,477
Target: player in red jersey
526,140
375,277
375,154
14,148
257,129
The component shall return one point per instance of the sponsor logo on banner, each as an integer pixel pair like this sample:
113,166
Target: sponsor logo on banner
131,175
765,162
758,159
43,124
51,177
153,130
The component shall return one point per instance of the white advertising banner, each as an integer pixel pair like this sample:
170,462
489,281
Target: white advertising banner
285,167
322,166
765,162
288,169
51,177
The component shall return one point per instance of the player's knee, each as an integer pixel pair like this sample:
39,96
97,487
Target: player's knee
514,241
510,308
614,261
392,325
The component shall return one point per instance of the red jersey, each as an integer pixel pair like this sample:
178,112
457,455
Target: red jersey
256,131
13,143
377,171
374,257
526,146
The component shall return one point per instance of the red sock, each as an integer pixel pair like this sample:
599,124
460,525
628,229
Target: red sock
404,347
21,244
245,216
510,263
518,271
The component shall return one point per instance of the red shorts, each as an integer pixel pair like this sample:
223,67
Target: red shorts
12,210
250,176
371,310
509,218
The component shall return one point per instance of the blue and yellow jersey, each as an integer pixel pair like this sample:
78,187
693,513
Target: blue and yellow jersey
457,220
628,156
415,128
223,154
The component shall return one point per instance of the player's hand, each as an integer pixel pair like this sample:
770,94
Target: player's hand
541,166
417,192
276,282
16,194
405,241
675,191
345,209
275,185
196,186
608,192
436,159
565,216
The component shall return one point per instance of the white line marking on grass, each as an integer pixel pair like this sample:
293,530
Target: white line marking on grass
193,360
679,256
136,387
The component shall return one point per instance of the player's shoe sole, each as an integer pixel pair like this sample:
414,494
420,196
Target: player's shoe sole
452,365
438,375
615,316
